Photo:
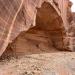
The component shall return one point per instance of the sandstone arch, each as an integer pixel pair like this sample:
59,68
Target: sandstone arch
48,32
49,20
22,17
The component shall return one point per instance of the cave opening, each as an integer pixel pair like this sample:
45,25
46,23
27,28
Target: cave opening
45,37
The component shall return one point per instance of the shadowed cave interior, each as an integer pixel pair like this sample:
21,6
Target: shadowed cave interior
46,36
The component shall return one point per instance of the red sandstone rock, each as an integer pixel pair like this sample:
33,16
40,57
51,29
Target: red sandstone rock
21,15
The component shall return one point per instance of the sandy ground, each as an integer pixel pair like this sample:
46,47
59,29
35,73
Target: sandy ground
40,64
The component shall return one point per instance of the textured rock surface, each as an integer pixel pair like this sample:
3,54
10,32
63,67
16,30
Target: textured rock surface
72,33
37,27
40,64
46,15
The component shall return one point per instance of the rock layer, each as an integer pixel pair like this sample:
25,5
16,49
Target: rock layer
46,15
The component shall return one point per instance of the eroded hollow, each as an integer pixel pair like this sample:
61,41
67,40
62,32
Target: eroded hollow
46,36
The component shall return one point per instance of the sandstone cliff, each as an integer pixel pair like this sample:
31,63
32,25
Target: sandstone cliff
37,22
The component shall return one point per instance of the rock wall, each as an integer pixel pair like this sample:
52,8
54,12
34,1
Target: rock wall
32,16
72,33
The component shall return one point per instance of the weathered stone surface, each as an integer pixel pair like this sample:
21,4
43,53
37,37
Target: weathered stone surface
46,15
72,33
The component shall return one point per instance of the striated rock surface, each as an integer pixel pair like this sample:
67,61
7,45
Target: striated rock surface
34,19
72,33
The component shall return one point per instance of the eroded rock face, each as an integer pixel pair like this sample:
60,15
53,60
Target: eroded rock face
71,33
46,16
48,32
